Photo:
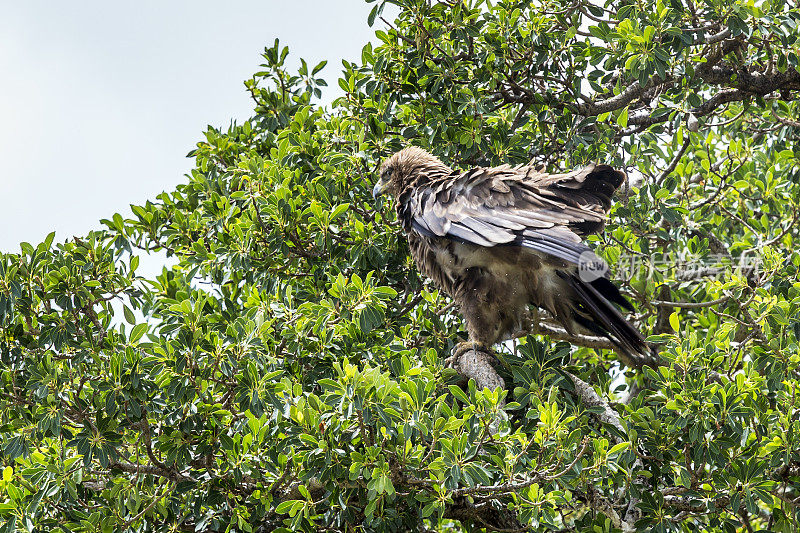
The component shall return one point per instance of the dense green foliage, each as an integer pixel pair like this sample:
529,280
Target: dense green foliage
288,371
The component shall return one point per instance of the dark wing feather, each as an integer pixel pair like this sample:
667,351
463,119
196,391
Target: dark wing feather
517,206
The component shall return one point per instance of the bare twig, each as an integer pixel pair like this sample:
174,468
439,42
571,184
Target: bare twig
675,160
690,305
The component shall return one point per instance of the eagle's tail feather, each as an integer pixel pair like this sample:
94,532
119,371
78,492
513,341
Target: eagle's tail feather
597,313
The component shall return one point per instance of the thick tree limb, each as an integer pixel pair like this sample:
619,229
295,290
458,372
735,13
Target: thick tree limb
722,97
477,365
751,81
613,103
717,37
560,334
590,398
742,82
130,468
484,516
587,341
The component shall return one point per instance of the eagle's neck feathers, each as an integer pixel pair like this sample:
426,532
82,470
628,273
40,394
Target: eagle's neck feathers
416,167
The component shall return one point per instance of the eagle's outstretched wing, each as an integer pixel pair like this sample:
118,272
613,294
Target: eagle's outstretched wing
517,206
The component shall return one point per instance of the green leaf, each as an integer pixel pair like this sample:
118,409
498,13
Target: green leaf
319,67
338,210
622,119
137,332
619,447
289,507
129,316
459,393
674,321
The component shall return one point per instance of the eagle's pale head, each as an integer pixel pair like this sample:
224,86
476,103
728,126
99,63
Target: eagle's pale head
405,167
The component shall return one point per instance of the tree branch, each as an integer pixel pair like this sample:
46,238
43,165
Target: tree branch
476,365
619,101
590,397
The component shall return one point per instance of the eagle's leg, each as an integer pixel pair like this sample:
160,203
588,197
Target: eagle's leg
485,321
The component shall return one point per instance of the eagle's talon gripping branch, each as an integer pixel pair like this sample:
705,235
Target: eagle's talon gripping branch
463,347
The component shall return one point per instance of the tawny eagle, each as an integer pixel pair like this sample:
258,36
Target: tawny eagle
499,239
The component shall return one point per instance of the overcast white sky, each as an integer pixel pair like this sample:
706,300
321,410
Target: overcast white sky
101,101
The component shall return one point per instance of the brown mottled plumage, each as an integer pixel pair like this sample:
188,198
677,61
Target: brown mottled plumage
498,239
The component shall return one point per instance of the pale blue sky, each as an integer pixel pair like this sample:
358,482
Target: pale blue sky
101,101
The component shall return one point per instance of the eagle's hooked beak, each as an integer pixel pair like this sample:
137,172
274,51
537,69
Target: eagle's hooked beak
378,189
